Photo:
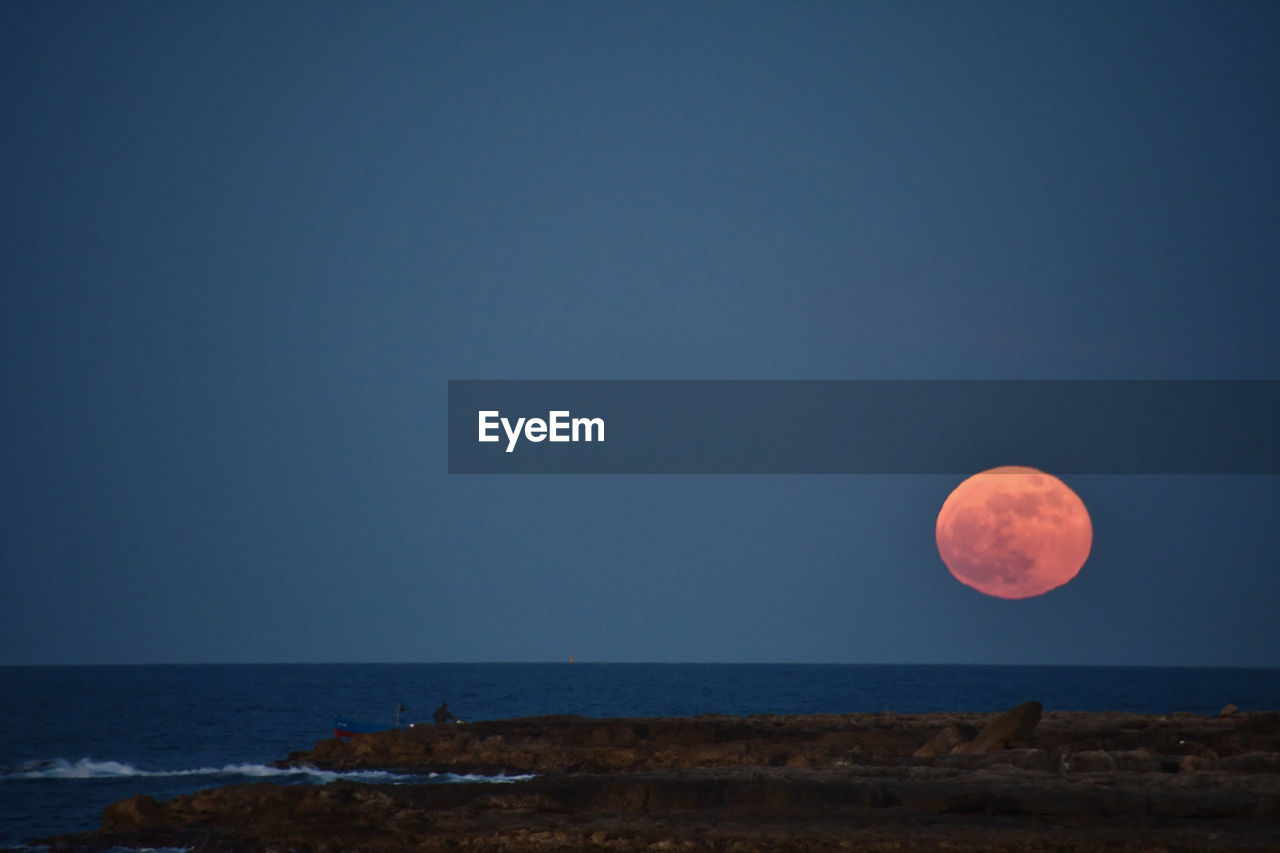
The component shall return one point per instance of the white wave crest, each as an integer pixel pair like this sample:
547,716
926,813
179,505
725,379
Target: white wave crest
475,777
88,768
60,768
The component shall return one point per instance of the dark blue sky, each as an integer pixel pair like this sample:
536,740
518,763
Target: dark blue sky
245,248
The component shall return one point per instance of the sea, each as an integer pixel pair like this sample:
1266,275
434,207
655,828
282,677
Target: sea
77,738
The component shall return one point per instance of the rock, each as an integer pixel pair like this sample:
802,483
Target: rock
576,744
1135,761
1038,760
875,810
759,783
1090,761
136,812
1228,710
946,740
1013,725
1249,762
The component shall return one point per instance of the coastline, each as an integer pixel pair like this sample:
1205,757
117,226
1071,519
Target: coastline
1018,780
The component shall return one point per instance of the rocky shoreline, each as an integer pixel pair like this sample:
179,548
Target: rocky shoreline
1021,780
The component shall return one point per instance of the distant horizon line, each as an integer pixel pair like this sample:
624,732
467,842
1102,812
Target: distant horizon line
638,663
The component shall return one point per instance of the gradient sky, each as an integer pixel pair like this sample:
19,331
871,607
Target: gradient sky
246,245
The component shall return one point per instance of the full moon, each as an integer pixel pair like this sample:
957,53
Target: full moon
1013,532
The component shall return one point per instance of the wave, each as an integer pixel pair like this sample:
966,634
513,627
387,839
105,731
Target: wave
88,768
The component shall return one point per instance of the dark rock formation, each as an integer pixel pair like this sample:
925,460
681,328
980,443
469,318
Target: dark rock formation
1091,761
774,809
1076,781
954,735
1011,727
577,744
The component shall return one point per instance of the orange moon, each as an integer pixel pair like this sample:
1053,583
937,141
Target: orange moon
1014,532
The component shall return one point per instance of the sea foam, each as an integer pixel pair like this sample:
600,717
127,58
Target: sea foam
88,768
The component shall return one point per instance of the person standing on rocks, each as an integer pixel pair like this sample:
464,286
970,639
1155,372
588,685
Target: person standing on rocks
442,714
